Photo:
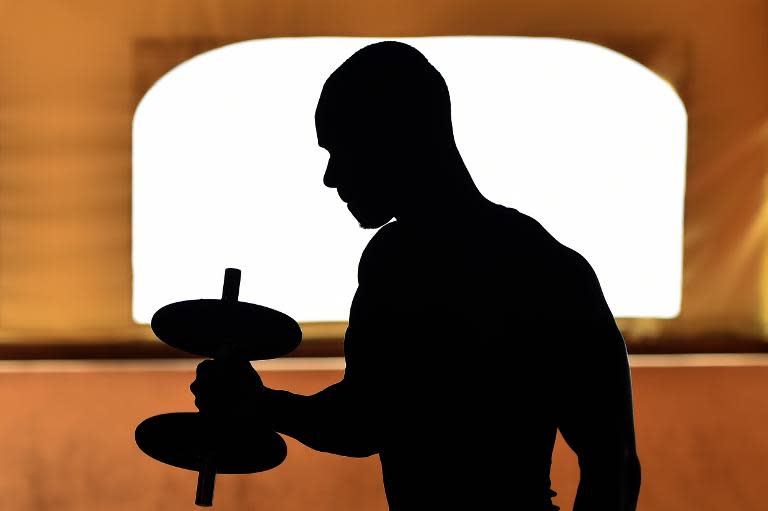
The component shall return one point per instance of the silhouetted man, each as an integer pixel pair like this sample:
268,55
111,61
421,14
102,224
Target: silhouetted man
473,335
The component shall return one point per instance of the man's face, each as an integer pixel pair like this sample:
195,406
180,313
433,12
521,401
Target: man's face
358,170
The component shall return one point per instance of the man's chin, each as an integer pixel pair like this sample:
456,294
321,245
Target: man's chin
369,219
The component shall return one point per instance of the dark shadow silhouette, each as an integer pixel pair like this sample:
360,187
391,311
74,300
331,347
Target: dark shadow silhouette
473,336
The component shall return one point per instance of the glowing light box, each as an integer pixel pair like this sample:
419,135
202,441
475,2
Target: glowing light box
227,171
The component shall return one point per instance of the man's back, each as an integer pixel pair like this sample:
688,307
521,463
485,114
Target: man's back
455,330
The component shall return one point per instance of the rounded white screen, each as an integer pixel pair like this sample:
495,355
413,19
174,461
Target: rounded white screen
227,171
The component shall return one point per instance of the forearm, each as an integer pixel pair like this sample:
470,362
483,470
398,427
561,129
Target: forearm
328,421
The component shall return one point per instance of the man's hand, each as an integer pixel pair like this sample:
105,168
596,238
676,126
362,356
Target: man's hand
231,388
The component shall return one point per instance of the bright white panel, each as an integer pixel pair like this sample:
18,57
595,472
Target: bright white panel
227,171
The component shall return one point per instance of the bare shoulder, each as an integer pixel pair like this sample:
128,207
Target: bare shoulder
546,247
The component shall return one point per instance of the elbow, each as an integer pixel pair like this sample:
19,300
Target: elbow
348,442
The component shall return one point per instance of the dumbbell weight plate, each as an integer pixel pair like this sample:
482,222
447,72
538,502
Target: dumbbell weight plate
203,326
184,439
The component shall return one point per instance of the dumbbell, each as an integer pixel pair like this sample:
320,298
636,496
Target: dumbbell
227,330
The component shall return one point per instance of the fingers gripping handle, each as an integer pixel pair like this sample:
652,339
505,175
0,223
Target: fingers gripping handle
207,475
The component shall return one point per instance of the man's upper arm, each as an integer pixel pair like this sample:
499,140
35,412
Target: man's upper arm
359,397
346,418
371,316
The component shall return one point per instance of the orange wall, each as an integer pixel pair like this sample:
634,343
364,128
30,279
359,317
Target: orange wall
66,438
69,86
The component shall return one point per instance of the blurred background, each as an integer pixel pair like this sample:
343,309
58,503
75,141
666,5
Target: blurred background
78,372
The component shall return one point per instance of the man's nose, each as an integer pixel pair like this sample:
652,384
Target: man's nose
330,177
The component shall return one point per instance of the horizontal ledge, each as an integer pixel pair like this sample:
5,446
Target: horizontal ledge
162,365
137,333
336,364
141,349
320,340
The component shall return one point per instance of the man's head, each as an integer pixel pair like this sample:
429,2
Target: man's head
382,116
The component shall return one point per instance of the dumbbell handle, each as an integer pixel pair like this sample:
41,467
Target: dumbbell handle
231,289
206,478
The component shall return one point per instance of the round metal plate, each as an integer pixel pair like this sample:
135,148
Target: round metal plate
202,327
184,439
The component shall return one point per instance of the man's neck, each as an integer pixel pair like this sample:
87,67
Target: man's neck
445,206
